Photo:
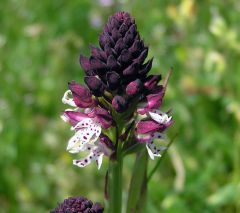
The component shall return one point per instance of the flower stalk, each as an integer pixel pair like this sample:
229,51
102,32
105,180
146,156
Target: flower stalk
115,185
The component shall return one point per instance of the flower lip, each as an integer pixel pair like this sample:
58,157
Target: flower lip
95,154
86,131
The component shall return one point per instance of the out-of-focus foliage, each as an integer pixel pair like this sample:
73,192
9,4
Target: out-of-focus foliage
40,43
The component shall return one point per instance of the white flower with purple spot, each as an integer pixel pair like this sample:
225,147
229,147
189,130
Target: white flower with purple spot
87,122
151,127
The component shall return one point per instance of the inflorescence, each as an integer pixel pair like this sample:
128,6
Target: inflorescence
118,88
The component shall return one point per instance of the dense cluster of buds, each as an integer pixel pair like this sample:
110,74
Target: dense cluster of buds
78,205
118,65
119,87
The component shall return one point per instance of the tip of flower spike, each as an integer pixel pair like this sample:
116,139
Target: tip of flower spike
121,16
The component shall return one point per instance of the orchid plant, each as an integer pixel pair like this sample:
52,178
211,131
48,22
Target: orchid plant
118,112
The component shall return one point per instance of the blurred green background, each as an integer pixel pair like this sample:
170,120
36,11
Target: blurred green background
40,44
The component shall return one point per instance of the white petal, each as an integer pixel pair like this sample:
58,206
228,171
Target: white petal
67,100
90,129
160,117
85,123
75,144
79,148
150,152
153,150
82,162
99,161
95,155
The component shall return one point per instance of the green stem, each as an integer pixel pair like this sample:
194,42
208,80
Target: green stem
115,179
138,186
115,185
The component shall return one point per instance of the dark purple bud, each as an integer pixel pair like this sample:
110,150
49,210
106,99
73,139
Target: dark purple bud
119,103
116,35
122,51
98,53
133,29
113,23
105,39
125,57
146,67
136,47
97,64
134,87
113,80
102,40
123,29
85,63
112,63
108,50
129,37
119,46
81,95
152,81
131,70
142,57
95,85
